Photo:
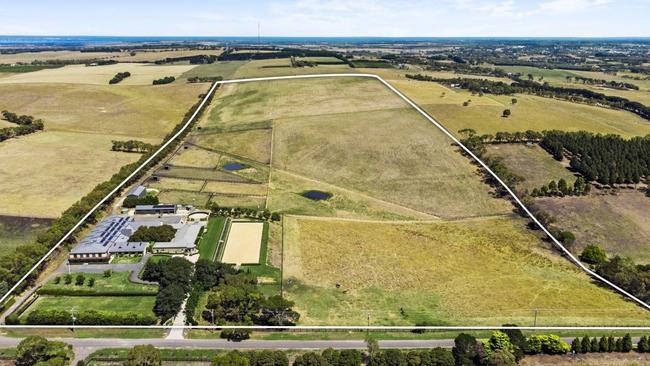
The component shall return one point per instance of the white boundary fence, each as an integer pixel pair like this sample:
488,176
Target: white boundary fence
425,115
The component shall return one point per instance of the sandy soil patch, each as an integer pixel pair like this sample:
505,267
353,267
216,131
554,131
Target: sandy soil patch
244,243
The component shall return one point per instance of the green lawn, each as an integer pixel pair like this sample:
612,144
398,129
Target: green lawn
110,304
126,259
210,239
117,283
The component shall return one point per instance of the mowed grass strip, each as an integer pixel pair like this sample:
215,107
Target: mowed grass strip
531,162
210,239
110,304
478,272
617,222
117,282
236,188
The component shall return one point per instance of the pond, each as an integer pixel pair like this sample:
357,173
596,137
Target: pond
234,166
317,195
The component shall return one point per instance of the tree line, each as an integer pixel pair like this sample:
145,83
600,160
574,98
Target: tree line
165,80
119,77
613,84
543,90
15,264
132,146
606,344
608,159
26,125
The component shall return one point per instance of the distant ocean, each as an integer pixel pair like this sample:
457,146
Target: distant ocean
82,41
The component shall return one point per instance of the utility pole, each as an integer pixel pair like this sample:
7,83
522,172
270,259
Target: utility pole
535,321
73,317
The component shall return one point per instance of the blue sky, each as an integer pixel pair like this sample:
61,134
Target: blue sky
442,18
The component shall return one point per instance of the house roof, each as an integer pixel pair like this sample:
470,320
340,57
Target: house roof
137,191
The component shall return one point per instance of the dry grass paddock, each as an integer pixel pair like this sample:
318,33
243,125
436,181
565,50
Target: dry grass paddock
44,173
141,74
142,112
393,155
236,188
531,162
243,243
619,223
196,157
487,271
530,113
251,144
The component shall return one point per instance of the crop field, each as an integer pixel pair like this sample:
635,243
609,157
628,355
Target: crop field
196,157
112,304
484,113
531,162
36,182
617,222
480,271
141,74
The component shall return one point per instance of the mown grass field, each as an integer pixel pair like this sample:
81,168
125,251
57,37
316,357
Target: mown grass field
479,272
619,223
141,74
210,240
484,113
531,162
37,182
112,304
118,282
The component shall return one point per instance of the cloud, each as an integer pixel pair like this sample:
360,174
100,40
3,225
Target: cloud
570,6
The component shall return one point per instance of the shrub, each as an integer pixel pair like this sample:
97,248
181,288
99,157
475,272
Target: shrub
593,254
165,80
549,344
91,282
235,335
108,273
80,279
57,280
68,279
12,319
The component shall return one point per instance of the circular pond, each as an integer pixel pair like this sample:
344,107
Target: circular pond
317,195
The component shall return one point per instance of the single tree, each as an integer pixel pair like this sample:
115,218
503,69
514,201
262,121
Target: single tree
36,350
593,254
144,355
506,113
